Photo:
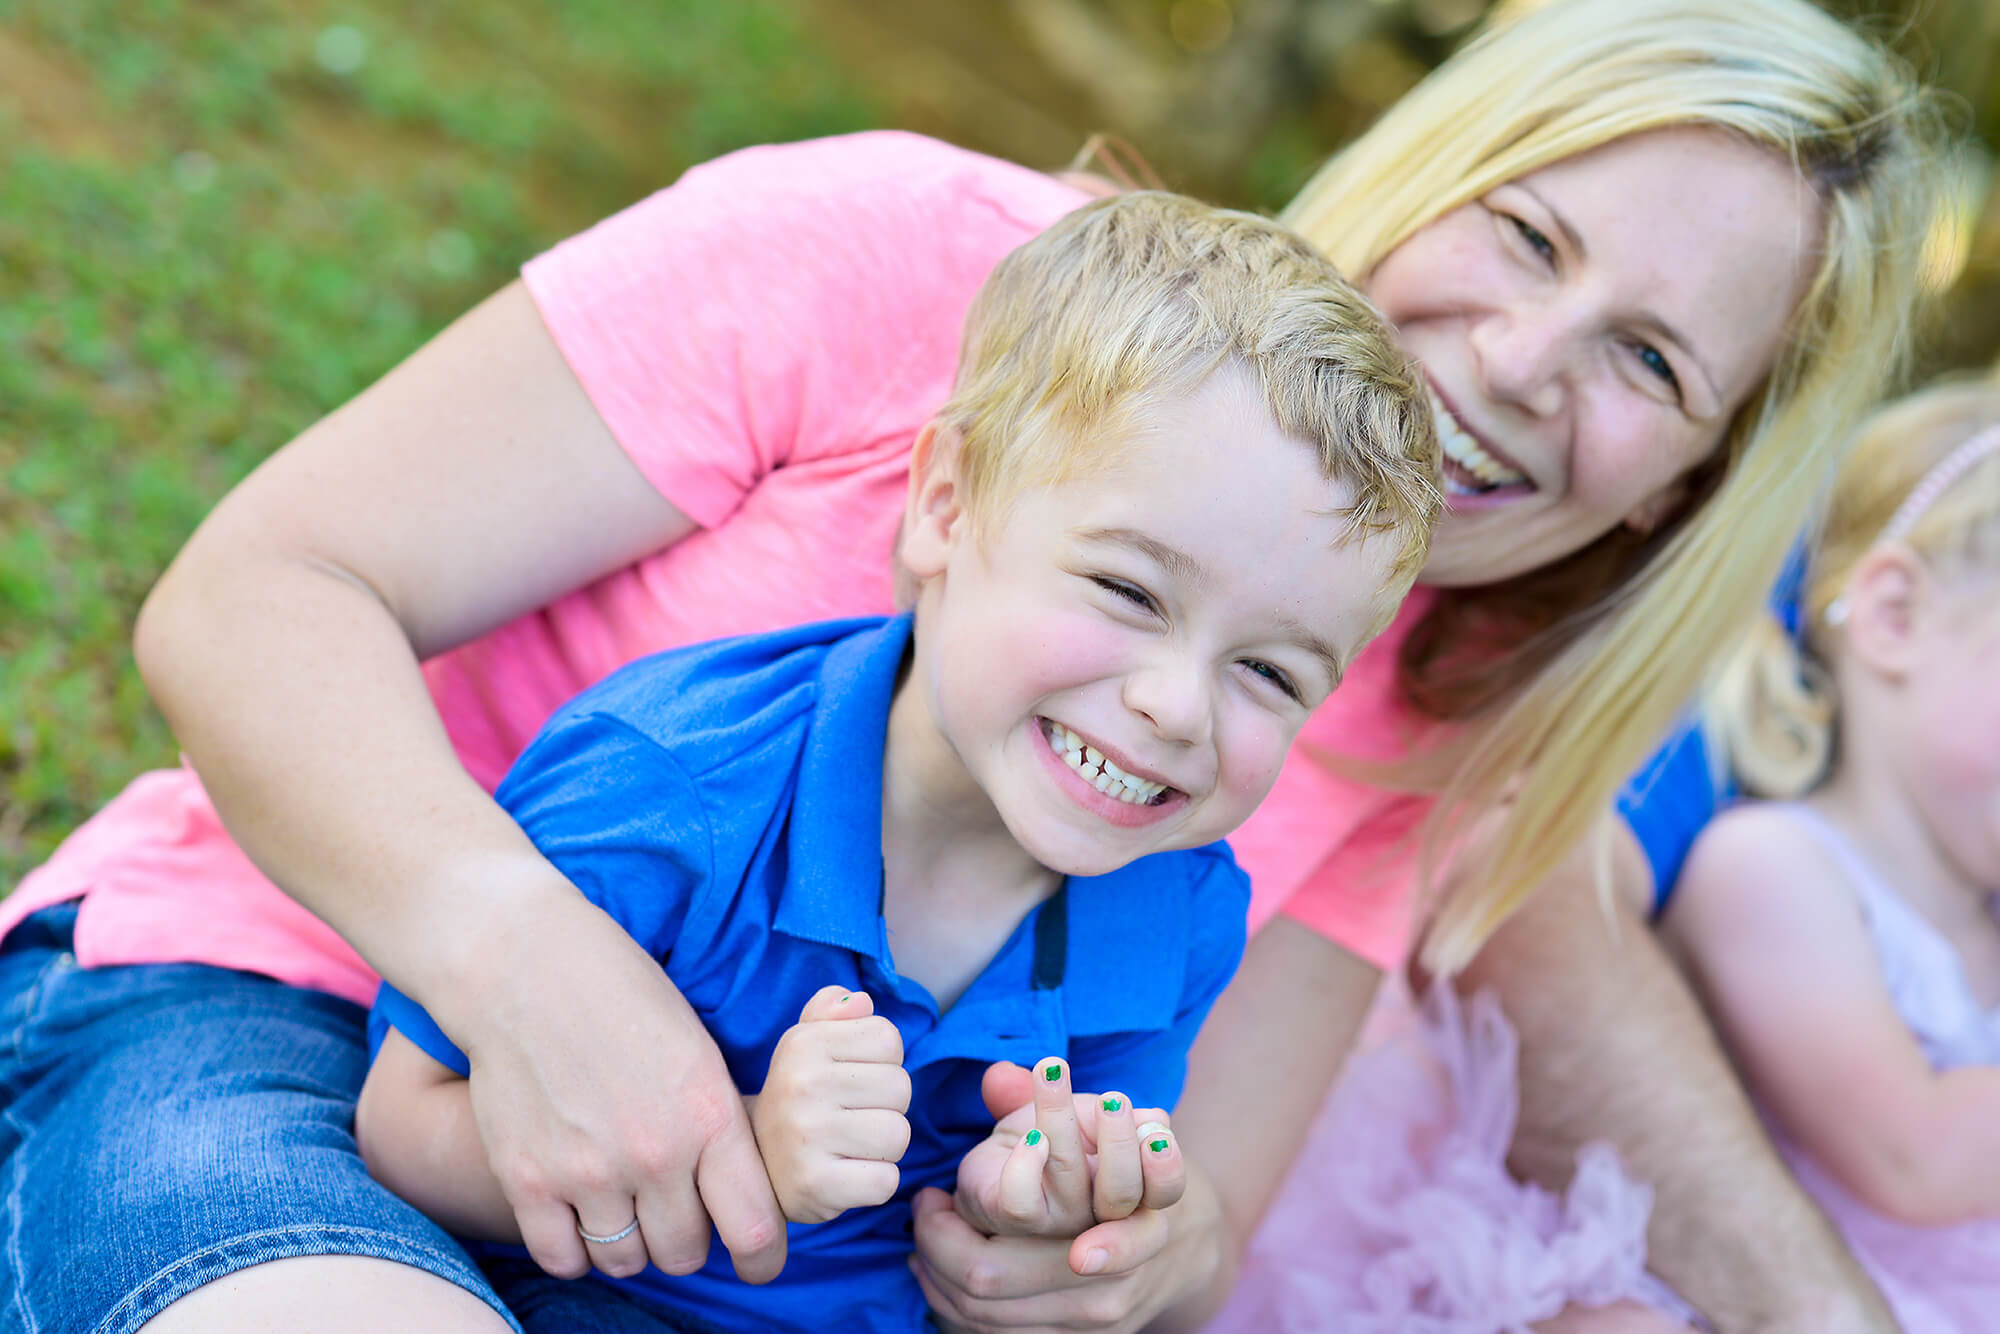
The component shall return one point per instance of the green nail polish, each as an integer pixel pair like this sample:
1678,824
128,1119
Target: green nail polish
1112,1104
1034,1137
1053,1073
1158,1146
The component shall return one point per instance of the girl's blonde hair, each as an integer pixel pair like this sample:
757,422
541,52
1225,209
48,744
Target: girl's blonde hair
1574,672
1770,711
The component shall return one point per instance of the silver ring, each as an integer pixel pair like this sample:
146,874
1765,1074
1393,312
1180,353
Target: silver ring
619,1235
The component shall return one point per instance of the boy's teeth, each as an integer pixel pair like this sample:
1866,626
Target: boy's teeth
1463,450
1100,772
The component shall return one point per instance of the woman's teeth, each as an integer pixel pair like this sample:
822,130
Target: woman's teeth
1098,770
1464,451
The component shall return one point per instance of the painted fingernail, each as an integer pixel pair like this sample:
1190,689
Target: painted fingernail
1033,1138
1094,1262
844,999
1157,1145
1054,1072
1113,1105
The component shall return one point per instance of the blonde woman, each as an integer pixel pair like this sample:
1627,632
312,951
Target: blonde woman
1649,258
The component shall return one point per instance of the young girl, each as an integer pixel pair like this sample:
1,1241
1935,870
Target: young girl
1846,940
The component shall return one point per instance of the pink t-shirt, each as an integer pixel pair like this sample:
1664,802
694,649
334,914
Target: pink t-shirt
765,339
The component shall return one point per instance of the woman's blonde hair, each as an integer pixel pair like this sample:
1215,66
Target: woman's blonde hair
1770,711
1573,672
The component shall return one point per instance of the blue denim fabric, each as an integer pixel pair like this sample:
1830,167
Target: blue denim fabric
162,1126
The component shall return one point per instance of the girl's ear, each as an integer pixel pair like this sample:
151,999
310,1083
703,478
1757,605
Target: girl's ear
1885,597
934,515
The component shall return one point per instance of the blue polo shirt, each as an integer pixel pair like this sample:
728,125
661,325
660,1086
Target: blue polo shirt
724,804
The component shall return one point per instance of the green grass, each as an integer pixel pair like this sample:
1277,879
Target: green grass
212,231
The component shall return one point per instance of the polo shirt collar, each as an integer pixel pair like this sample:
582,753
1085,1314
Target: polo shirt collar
833,891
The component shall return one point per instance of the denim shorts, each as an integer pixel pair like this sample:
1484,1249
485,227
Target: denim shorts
164,1125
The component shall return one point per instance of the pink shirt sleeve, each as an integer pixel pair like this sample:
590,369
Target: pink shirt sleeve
781,304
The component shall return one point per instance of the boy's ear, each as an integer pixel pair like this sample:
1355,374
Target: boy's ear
934,515
1885,597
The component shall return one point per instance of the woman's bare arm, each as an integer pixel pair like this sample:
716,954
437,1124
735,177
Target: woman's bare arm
473,483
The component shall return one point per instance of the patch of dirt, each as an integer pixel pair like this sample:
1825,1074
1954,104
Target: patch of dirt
53,99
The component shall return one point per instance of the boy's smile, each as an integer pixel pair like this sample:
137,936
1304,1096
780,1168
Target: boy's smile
1115,665
1125,794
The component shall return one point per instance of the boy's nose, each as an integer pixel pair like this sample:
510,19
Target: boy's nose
1174,697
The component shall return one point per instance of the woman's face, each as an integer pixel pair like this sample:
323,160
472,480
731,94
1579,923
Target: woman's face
1588,330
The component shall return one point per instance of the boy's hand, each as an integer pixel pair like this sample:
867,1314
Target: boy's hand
1063,1163
830,1121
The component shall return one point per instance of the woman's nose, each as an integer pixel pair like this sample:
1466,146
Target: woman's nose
1174,696
1522,357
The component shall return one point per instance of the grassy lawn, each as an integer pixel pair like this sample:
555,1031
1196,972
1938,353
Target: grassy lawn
220,218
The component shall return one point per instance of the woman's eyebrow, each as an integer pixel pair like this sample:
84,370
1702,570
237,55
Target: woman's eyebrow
1650,320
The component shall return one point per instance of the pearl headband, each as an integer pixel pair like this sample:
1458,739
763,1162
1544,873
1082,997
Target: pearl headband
1922,496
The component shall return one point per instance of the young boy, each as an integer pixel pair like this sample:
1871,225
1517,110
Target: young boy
1183,478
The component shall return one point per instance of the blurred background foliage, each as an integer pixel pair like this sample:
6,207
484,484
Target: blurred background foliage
221,218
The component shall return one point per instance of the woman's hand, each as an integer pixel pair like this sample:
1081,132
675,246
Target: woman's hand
1116,1278
601,1099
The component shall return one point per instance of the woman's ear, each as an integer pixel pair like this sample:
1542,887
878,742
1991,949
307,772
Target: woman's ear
1885,597
934,515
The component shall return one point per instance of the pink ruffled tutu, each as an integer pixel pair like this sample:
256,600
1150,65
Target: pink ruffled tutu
1401,1216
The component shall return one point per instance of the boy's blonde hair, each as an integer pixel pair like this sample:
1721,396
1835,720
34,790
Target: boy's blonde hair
1141,297
1771,709
1570,674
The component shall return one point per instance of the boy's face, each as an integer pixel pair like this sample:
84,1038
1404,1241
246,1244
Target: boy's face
1120,662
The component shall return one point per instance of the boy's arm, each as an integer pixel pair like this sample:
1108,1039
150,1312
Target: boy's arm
415,1128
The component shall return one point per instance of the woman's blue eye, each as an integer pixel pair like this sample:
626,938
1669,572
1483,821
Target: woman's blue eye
1274,675
1652,360
1537,242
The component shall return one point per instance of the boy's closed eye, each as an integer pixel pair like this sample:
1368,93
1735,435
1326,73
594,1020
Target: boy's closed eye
1126,591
